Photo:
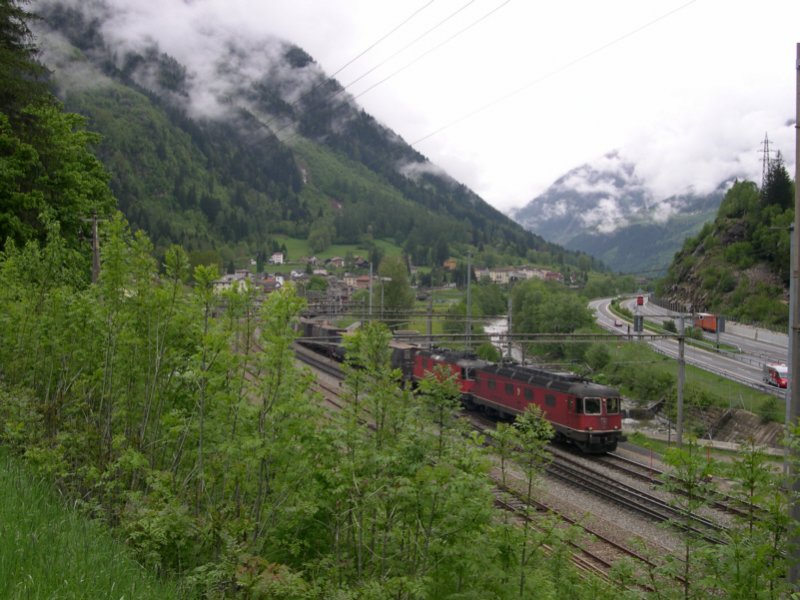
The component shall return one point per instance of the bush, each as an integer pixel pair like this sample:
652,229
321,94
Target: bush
770,411
598,356
488,351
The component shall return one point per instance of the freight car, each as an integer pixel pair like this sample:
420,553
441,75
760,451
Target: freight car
322,337
326,338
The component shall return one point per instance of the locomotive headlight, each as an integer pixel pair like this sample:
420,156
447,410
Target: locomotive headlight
589,428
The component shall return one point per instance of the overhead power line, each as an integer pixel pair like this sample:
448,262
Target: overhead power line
553,73
414,61
351,61
424,54
411,43
355,58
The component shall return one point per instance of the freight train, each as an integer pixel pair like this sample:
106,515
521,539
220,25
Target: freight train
582,413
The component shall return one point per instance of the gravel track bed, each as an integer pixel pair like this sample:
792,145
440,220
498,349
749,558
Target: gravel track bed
607,519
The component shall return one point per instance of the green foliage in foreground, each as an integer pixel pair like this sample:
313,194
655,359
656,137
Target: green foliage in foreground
47,550
192,430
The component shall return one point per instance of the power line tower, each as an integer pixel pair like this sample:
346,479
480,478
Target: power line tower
765,161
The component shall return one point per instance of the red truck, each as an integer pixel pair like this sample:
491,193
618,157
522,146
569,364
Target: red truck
776,374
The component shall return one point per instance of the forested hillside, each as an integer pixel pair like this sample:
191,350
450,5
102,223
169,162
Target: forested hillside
286,152
738,265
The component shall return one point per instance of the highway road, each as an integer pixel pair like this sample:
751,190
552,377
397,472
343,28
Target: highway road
755,346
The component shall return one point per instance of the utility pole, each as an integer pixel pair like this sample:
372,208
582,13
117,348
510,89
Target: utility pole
95,246
95,250
681,379
469,301
787,423
430,320
794,339
508,331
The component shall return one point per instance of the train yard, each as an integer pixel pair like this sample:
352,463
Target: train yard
618,503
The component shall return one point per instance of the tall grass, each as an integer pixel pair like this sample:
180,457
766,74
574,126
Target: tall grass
49,551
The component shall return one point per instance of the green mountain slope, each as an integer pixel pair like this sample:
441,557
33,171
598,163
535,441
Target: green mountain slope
315,167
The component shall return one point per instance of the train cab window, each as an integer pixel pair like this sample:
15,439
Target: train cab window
466,374
592,406
510,389
528,394
612,406
549,400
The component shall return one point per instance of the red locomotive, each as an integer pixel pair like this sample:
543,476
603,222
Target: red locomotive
583,413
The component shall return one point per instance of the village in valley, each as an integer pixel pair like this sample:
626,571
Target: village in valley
343,277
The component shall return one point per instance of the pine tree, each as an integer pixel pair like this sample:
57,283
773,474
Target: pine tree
22,78
778,189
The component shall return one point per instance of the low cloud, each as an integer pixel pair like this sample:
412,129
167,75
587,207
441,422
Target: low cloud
414,170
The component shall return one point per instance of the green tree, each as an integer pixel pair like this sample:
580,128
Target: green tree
48,169
754,561
532,434
540,307
691,483
598,356
397,294
321,235
778,188
22,78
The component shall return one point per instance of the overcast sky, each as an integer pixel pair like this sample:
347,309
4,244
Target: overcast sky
686,89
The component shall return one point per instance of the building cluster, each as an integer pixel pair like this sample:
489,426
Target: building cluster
341,287
506,275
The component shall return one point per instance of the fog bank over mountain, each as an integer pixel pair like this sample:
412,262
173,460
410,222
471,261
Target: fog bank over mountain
609,210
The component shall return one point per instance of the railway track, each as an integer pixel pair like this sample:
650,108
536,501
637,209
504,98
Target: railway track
656,477
574,472
596,553
577,473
